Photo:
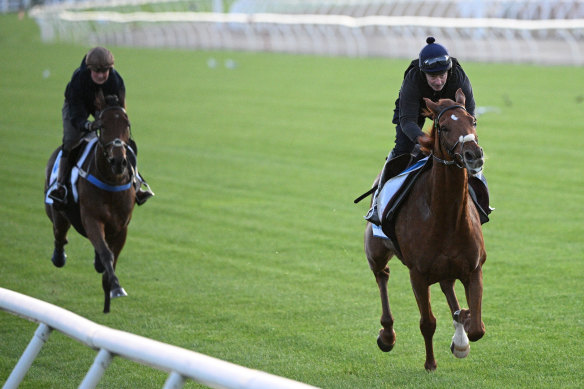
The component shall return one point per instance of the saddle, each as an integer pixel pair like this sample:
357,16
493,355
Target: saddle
79,156
397,189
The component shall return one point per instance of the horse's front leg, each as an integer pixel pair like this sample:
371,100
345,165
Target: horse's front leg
473,323
459,346
427,319
116,244
111,286
109,280
447,287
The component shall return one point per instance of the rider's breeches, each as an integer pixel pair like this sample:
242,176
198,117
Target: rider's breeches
71,136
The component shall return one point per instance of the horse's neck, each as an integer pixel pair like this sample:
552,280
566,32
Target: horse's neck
449,191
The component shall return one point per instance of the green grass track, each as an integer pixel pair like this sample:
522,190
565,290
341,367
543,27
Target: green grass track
252,249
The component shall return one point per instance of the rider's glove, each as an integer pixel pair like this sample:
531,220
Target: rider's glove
416,151
92,126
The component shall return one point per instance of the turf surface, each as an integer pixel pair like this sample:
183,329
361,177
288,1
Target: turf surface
252,249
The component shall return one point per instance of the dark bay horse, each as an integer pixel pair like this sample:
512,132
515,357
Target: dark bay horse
438,229
106,200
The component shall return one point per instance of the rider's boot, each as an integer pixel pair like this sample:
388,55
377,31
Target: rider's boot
59,192
479,192
142,195
373,216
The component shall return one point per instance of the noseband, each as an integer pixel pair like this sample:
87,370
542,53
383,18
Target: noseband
459,162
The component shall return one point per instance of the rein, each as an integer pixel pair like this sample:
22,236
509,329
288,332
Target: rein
117,142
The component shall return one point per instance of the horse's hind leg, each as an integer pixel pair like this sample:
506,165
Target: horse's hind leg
61,226
378,256
427,319
386,338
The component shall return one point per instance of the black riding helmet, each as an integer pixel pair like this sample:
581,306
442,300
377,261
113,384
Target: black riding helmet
99,58
434,58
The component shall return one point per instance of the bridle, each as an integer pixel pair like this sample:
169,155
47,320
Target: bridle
108,148
117,142
458,159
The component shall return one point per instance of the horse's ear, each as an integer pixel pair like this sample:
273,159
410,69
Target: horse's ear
460,97
431,110
112,101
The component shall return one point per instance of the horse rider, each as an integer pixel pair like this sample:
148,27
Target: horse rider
434,75
94,79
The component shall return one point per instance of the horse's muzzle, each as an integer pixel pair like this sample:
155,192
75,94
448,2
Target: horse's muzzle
473,160
118,165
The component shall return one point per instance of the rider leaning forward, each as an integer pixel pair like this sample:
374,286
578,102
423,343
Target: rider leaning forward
434,75
95,78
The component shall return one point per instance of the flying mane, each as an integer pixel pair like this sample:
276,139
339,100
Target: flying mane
426,141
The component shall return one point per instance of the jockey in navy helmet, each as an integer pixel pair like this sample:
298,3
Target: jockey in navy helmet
434,75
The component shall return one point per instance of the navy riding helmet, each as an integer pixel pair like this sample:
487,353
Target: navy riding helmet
434,58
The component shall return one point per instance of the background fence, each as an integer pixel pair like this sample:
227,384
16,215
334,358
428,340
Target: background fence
527,31
182,364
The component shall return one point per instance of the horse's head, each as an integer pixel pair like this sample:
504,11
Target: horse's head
453,140
113,136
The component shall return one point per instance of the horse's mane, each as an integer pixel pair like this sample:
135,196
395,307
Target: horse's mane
426,141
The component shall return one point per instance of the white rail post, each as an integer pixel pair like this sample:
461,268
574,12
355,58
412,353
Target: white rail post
174,381
38,340
101,362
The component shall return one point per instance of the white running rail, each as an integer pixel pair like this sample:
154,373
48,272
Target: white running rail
524,31
182,364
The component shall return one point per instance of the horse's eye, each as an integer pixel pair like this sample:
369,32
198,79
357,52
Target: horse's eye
444,128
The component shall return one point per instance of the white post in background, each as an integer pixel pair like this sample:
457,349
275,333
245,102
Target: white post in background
218,6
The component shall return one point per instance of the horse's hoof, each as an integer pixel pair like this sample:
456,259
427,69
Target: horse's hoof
59,258
384,347
118,292
430,366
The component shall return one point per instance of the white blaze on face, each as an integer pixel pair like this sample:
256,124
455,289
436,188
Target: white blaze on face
466,138
453,117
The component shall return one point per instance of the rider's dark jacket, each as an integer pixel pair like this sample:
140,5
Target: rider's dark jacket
81,93
408,116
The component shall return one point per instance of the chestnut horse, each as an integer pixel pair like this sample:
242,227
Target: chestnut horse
437,229
106,200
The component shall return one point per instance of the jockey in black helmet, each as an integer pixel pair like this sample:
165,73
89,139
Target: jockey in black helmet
95,77
434,75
